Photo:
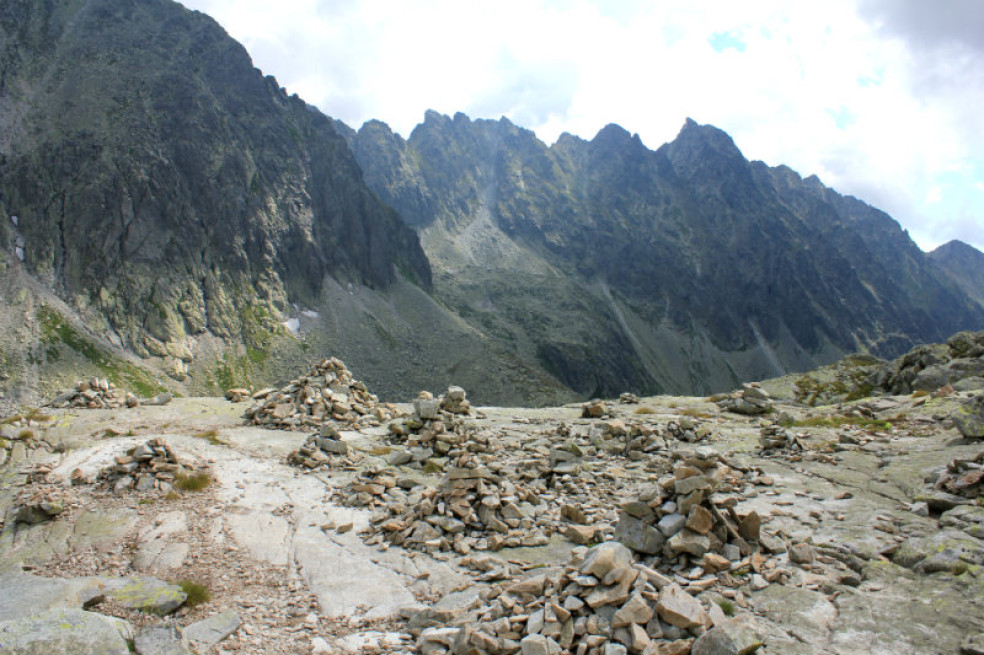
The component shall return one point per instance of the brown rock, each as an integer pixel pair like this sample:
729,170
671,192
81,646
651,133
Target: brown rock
677,607
581,534
700,520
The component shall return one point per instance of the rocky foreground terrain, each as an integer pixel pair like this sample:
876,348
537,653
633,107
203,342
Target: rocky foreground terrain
752,522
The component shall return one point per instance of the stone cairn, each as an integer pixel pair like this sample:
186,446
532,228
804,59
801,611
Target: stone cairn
751,400
774,438
95,393
150,466
601,601
37,506
327,392
597,408
435,428
472,508
605,601
323,450
238,395
628,398
678,521
687,429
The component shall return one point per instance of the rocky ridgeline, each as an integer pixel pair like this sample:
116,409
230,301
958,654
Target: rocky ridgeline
959,362
150,466
601,601
751,400
328,392
95,393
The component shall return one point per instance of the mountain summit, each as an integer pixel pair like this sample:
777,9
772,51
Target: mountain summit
687,268
165,208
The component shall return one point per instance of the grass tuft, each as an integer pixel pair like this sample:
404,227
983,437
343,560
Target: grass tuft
192,482
726,606
198,593
645,410
212,437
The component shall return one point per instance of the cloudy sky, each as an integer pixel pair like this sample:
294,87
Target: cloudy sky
880,98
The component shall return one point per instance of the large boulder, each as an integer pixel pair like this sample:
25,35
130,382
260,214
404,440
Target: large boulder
969,418
65,632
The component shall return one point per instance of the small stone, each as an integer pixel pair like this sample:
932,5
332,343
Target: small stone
670,524
750,526
801,553
539,645
700,520
581,534
687,541
635,610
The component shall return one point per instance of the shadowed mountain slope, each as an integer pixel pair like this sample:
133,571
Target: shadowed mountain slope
683,269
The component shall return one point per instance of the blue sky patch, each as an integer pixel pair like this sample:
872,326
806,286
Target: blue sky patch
721,41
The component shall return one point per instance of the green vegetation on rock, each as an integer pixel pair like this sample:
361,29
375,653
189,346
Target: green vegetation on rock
58,333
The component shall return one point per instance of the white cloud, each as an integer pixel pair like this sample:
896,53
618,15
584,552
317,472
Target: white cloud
877,100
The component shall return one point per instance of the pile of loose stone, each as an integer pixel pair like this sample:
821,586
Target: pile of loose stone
963,477
472,508
597,408
436,428
601,601
150,466
773,437
327,392
431,416
36,506
678,521
238,395
322,450
604,601
751,400
686,429
95,393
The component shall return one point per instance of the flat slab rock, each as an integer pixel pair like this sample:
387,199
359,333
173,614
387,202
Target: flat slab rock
65,632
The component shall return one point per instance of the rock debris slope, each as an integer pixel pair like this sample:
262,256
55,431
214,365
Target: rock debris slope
667,525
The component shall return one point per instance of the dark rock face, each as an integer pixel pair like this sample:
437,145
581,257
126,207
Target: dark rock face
166,188
965,264
695,268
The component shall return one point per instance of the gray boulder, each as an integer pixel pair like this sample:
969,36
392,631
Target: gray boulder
65,632
969,418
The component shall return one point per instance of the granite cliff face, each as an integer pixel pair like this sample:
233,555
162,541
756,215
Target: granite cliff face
166,189
687,268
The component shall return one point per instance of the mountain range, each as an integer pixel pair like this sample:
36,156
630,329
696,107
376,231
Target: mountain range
171,217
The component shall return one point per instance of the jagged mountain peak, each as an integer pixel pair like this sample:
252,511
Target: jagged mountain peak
958,248
700,150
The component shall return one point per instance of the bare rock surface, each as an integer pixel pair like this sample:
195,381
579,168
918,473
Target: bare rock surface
671,525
